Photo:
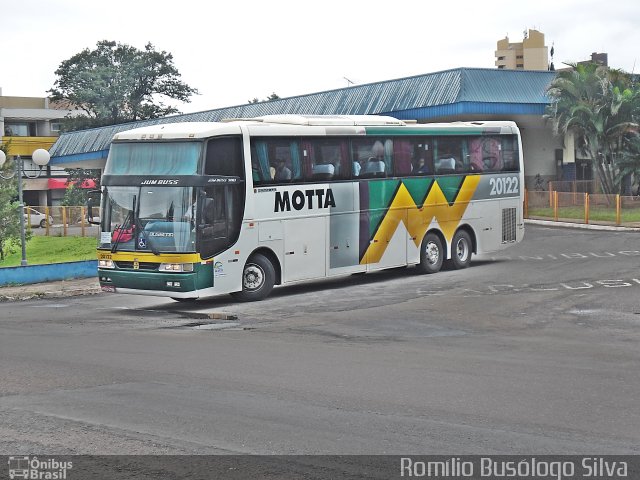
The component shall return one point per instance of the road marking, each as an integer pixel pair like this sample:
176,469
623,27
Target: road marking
569,256
508,288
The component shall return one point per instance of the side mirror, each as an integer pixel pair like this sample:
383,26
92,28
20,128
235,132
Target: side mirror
208,216
93,199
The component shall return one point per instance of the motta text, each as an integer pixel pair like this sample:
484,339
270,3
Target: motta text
304,199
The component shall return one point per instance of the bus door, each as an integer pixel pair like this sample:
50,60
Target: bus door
219,221
304,248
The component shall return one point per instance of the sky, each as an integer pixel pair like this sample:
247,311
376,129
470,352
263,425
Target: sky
233,51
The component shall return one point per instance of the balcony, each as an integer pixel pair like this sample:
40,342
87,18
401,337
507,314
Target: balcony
24,146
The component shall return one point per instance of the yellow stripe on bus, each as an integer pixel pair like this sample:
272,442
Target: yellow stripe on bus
417,220
150,257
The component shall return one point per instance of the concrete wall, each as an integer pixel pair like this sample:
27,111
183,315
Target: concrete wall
48,273
539,146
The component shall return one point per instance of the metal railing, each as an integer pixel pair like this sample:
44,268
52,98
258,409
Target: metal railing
588,208
574,186
61,221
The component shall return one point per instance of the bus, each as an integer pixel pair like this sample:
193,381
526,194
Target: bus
192,210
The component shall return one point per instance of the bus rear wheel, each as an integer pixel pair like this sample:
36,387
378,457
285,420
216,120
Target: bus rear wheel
258,279
431,254
461,250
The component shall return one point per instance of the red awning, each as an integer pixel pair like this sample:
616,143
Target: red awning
61,183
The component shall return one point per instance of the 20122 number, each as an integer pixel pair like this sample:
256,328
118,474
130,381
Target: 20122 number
504,185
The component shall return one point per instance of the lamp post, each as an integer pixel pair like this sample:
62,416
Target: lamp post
40,157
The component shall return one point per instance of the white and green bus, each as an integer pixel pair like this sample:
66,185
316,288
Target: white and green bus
199,209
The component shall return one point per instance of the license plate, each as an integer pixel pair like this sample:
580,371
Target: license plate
108,288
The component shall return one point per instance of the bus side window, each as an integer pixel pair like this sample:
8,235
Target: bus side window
449,156
275,160
325,159
485,154
224,157
421,157
374,155
509,147
260,166
284,156
402,154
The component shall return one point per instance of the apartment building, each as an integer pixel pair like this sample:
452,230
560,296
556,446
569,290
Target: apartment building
26,124
530,54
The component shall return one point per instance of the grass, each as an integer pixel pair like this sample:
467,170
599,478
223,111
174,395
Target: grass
44,250
596,214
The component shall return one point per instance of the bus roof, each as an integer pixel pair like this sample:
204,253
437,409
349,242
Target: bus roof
168,131
329,120
316,125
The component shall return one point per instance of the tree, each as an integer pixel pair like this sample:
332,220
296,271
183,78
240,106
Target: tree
77,181
273,96
601,108
116,83
9,208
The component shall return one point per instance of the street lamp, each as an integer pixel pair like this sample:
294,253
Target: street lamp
40,157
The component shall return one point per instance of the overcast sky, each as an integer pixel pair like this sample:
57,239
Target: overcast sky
233,51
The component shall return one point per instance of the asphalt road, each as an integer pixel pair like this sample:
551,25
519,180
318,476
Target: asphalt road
532,351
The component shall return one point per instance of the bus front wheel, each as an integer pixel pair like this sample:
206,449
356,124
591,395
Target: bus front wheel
258,279
461,249
431,254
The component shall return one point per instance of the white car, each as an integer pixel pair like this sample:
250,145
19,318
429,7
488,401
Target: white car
37,219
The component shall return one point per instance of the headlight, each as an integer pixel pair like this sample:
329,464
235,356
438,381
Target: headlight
105,264
176,267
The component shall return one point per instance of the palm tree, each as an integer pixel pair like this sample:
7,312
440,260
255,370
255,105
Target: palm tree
600,107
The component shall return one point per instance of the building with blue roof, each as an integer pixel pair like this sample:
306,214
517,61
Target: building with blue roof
450,95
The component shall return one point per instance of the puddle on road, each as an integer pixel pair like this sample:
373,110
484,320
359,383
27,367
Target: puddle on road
213,326
209,326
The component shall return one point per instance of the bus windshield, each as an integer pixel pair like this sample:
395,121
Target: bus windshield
159,158
149,218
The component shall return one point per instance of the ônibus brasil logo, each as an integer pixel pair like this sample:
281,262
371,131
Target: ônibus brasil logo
36,469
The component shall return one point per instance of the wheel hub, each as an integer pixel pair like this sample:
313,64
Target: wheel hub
253,277
432,253
462,250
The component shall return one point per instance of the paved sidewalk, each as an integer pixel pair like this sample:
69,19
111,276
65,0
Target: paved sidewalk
62,288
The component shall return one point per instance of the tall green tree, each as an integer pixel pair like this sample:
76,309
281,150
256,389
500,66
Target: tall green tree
116,83
78,179
601,108
9,207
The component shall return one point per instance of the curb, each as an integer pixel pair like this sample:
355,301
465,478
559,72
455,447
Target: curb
584,226
49,294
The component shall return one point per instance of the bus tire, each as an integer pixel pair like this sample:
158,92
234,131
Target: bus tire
461,250
431,254
258,279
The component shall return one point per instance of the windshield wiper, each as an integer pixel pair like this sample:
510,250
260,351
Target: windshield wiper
130,217
120,230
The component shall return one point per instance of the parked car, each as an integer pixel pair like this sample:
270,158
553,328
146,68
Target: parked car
37,219
95,219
